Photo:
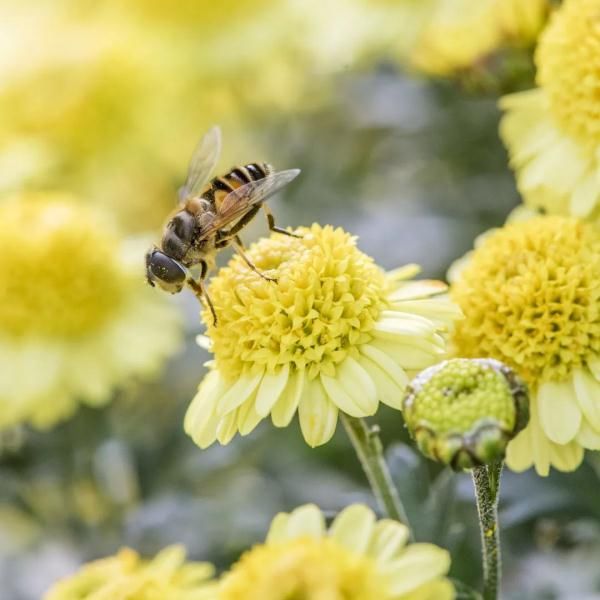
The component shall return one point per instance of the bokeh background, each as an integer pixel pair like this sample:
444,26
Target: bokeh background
106,100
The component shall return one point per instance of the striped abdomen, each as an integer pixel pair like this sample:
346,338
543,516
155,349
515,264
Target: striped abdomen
219,187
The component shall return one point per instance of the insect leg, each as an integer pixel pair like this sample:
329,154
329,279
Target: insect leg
239,248
240,224
273,227
200,290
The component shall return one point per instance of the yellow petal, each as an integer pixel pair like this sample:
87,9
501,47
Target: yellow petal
540,444
278,529
594,366
285,408
566,458
238,393
585,196
519,454
559,414
357,383
247,417
387,363
387,390
418,289
441,589
587,390
587,437
388,539
271,387
305,520
419,564
338,396
317,414
353,528
227,428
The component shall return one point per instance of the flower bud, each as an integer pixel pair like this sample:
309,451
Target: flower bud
463,412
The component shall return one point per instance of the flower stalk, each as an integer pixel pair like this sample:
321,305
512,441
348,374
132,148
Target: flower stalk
369,449
486,480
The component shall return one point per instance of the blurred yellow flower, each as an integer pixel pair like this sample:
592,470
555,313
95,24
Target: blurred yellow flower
553,132
460,33
126,576
114,106
76,319
333,333
357,558
530,293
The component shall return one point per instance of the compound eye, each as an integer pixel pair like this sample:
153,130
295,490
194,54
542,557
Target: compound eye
165,269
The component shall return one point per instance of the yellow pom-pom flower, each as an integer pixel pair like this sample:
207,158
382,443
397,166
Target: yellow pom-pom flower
76,319
553,131
357,558
530,293
333,333
126,576
460,33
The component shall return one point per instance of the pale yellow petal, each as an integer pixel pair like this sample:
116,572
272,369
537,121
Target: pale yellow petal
387,391
388,539
566,458
305,520
271,387
227,427
278,529
341,398
238,393
353,528
317,414
357,383
585,196
440,589
594,367
386,363
540,444
587,390
419,564
247,417
413,290
559,413
588,437
285,407
519,454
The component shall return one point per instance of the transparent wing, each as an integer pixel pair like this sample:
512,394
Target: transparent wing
237,203
202,164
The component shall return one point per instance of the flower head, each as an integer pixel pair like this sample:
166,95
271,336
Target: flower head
531,297
460,33
553,132
333,333
75,317
126,576
463,412
357,558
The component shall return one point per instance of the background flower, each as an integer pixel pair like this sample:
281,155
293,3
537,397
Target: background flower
357,557
333,333
552,131
531,297
76,319
127,576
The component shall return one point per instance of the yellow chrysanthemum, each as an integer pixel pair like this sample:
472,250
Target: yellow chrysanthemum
553,132
126,576
76,318
357,558
333,333
531,297
460,33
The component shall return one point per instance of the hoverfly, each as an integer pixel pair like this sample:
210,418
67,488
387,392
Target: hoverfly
210,215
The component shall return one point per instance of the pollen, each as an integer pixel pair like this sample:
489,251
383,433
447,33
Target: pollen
568,61
304,568
324,304
531,298
59,274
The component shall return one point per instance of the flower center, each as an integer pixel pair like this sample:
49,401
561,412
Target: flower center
531,298
568,60
59,273
303,569
326,299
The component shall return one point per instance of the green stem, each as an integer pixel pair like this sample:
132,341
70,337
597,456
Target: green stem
369,449
486,480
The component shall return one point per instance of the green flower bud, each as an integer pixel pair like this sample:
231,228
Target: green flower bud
463,412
